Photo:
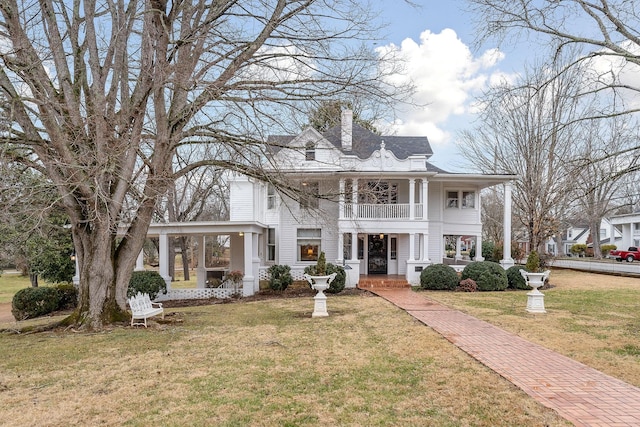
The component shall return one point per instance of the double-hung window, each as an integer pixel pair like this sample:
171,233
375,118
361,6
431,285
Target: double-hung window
309,243
271,244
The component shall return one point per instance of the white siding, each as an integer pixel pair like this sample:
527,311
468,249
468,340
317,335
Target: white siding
241,203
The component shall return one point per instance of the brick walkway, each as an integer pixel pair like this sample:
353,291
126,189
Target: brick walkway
580,394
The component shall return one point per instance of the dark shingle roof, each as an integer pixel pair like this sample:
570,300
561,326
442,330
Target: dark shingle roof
366,142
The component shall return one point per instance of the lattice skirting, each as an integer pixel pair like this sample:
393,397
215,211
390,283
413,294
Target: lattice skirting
296,274
200,293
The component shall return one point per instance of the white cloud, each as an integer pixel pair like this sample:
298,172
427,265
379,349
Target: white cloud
446,76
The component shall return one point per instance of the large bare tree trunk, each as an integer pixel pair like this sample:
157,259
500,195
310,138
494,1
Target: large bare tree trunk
108,99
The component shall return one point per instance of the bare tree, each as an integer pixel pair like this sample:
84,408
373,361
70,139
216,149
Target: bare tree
602,37
101,95
523,131
600,185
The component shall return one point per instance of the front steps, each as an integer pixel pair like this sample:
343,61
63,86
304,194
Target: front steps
383,282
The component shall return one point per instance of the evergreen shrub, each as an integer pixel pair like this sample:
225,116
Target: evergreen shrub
146,282
438,277
515,279
28,303
489,276
68,296
533,262
280,277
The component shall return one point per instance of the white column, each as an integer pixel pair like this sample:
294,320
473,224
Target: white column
255,266
479,256
612,236
354,198
425,199
341,199
354,246
163,258
140,262
412,199
507,261
458,245
247,281
341,253
425,247
412,246
76,273
201,271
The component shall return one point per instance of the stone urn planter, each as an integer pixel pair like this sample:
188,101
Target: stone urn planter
535,298
320,284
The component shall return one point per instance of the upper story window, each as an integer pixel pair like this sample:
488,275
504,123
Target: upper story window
461,199
271,197
468,200
310,151
452,199
309,195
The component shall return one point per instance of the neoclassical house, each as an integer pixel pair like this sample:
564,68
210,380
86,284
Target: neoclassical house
371,203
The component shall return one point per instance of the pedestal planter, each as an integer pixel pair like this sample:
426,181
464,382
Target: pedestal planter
320,284
535,298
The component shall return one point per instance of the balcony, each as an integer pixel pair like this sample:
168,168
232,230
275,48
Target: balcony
380,211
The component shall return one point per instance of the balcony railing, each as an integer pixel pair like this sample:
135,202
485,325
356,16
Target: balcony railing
379,211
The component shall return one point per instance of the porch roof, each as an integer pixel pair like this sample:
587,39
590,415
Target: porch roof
205,227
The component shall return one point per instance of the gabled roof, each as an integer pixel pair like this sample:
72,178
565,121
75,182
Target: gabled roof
365,142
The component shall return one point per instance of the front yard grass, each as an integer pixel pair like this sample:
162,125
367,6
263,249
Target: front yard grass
267,363
260,363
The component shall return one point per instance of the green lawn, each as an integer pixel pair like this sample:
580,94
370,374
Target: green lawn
261,363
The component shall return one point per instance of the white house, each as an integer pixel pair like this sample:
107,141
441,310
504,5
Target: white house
629,227
372,203
579,234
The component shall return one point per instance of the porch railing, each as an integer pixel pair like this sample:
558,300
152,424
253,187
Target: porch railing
381,211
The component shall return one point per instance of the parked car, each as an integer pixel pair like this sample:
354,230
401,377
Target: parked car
631,254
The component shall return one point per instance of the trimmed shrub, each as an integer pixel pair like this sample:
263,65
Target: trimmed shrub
28,303
338,283
146,282
489,276
467,285
605,249
68,296
515,279
533,262
438,277
579,249
280,277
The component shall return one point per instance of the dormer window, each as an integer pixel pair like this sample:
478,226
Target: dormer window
310,151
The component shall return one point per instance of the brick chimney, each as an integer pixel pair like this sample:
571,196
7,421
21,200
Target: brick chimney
347,130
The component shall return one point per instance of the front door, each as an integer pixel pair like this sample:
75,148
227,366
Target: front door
377,254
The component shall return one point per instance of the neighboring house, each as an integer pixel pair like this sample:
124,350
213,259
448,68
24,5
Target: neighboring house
629,228
579,234
385,209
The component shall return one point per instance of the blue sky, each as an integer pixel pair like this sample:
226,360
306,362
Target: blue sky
437,40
